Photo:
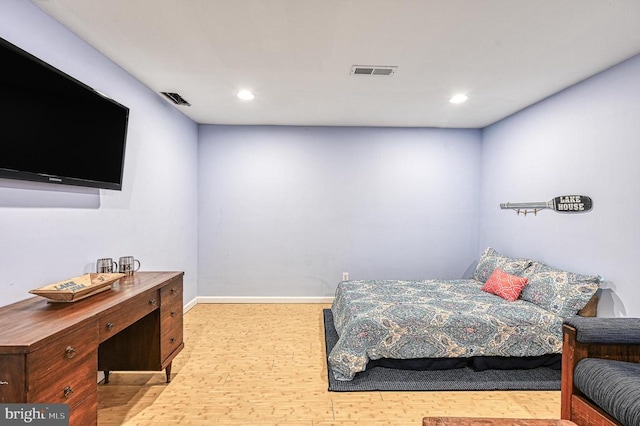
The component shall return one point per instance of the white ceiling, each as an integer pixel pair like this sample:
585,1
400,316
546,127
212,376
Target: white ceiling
296,55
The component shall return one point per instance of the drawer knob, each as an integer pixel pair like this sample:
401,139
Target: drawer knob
173,340
70,351
174,291
174,313
110,326
152,302
68,391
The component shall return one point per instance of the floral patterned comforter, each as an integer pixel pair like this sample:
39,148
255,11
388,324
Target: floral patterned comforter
434,319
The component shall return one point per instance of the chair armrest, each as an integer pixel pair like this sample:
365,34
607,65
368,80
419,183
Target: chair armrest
594,337
621,331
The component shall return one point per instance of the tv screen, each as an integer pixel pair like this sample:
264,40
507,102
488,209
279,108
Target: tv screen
53,128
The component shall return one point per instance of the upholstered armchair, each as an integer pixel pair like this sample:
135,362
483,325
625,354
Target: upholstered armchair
601,371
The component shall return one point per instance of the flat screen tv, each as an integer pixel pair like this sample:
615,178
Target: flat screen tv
54,128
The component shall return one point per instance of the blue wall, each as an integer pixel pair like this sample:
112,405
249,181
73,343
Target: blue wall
584,140
285,210
49,233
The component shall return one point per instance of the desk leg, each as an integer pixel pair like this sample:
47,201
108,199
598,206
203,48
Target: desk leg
106,377
168,371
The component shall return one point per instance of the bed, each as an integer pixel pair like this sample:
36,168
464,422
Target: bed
464,321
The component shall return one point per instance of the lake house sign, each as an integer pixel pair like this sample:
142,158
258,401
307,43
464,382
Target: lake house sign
561,204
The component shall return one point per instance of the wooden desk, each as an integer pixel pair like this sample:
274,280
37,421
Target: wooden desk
50,352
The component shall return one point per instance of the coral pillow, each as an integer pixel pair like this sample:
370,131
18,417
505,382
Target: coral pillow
505,285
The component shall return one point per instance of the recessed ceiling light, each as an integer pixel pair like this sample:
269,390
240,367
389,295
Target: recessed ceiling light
246,95
459,98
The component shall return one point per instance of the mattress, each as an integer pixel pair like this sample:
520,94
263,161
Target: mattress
395,319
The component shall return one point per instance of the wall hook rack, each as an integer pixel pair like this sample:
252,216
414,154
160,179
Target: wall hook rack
561,204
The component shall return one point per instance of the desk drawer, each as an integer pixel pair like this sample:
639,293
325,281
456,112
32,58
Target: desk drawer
171,338
172,309
170,317
12,383
85,413
69,386
129,312
171,294
67,351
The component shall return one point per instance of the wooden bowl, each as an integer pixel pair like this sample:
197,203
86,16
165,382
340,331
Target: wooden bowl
77,288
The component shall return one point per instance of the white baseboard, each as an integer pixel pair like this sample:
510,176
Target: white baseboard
251,299
236,299
187,307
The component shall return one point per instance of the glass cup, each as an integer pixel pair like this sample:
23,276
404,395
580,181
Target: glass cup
126,265
106,265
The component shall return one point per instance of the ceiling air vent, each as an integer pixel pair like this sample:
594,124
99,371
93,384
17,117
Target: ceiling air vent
373,70
176,98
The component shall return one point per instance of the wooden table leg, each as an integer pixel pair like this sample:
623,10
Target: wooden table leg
168,371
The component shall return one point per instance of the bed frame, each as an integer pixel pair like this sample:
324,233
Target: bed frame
591,308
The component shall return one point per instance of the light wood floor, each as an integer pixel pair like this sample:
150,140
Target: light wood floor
264,364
